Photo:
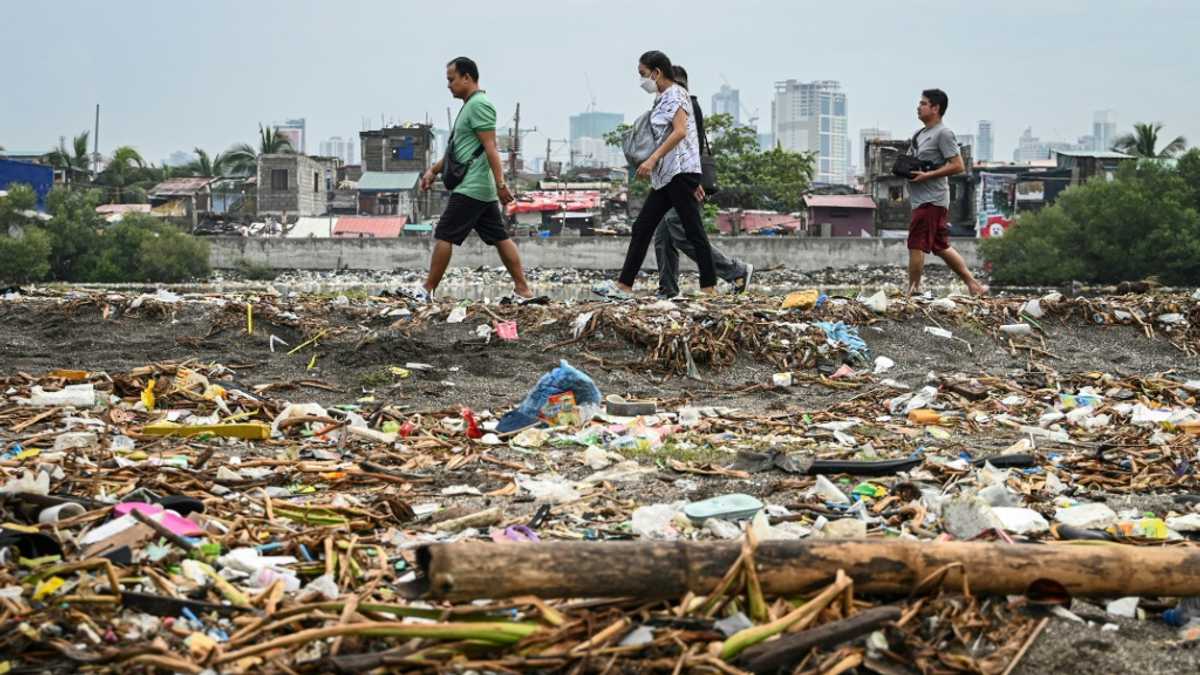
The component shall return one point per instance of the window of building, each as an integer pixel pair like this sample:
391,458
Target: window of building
825,107
825,126
316,182
839,107
839,213
825,145
279,179
896,193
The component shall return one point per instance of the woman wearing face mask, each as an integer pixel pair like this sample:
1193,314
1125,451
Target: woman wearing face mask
674,173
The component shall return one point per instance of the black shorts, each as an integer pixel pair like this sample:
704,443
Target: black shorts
464,214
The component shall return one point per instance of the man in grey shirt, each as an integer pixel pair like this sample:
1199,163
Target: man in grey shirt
929,194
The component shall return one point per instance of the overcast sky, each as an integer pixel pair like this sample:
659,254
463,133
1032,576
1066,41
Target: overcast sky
172,75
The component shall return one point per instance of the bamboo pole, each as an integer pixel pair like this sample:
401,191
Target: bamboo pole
472,570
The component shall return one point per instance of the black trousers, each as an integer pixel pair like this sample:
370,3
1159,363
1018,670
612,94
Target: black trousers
679,194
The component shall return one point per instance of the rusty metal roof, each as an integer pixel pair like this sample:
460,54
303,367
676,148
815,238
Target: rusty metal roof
180,187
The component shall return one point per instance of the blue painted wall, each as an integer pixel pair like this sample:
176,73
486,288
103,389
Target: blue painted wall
38,176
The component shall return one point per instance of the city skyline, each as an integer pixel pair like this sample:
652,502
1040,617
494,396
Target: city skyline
176,102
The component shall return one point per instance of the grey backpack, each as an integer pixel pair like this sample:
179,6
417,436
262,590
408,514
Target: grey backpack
638,143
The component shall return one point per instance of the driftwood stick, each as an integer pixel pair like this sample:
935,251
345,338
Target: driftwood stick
790,649
473,570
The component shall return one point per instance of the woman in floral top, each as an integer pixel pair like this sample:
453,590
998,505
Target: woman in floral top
674,173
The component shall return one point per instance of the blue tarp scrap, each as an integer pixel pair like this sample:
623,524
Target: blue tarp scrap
840,335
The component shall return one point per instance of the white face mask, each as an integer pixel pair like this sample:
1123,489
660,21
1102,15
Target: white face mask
649,86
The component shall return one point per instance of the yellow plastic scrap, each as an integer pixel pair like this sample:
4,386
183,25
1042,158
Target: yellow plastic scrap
47,587
801,299
244,430
402,373
249,319
148,395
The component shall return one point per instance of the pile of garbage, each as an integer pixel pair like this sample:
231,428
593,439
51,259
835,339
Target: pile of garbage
173,517
176,516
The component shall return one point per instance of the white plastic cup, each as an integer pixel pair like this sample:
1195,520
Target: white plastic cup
60,512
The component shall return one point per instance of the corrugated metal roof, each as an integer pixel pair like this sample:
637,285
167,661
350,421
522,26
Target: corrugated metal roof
840,201
180,187
1098,154
379,227
388,181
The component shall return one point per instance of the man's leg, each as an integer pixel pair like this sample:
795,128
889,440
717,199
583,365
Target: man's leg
490,228
955,262
727,268
916,266
667,257
442,252
511,258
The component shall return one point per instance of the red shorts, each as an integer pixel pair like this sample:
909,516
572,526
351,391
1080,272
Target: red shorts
928,230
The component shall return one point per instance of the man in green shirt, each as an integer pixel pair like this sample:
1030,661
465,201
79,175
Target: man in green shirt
475,202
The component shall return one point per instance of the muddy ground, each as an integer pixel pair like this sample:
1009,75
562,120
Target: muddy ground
37,335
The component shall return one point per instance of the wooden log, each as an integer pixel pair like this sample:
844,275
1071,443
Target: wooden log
789,650
647,569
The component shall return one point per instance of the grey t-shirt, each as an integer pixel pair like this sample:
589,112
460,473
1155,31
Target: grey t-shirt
936,144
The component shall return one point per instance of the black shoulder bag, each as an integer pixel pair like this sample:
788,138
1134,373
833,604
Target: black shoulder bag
907,164
453,172
708,163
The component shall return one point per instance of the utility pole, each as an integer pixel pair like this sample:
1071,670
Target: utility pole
96,144
514,147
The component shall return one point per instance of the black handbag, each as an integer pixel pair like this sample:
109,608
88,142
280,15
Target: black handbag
708,163
453,171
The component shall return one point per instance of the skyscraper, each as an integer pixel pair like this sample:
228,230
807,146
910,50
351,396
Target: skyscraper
587,139
1104,129
726,101
984,152
811,117
338,147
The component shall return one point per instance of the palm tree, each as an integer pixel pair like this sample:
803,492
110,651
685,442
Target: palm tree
1143,142
214,167
73,161
243,159
120,170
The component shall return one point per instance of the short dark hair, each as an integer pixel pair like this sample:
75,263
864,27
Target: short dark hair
679,74
656,59
938,98
465,66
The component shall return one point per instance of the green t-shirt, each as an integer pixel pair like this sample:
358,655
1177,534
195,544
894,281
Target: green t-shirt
477,114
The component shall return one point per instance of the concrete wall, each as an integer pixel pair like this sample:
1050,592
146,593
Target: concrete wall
801,253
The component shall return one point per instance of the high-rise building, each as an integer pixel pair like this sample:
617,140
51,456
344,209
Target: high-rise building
726,102
986,149
967,141
811,117
339,147
1031,148
293,130
587,139
1104,130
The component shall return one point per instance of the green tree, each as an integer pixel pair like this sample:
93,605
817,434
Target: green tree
1143,142
73,161
121,172
74,229
1144,223
215,167
243,158
24,247
146,249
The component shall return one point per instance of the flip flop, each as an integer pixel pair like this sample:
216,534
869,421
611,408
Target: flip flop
726,507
